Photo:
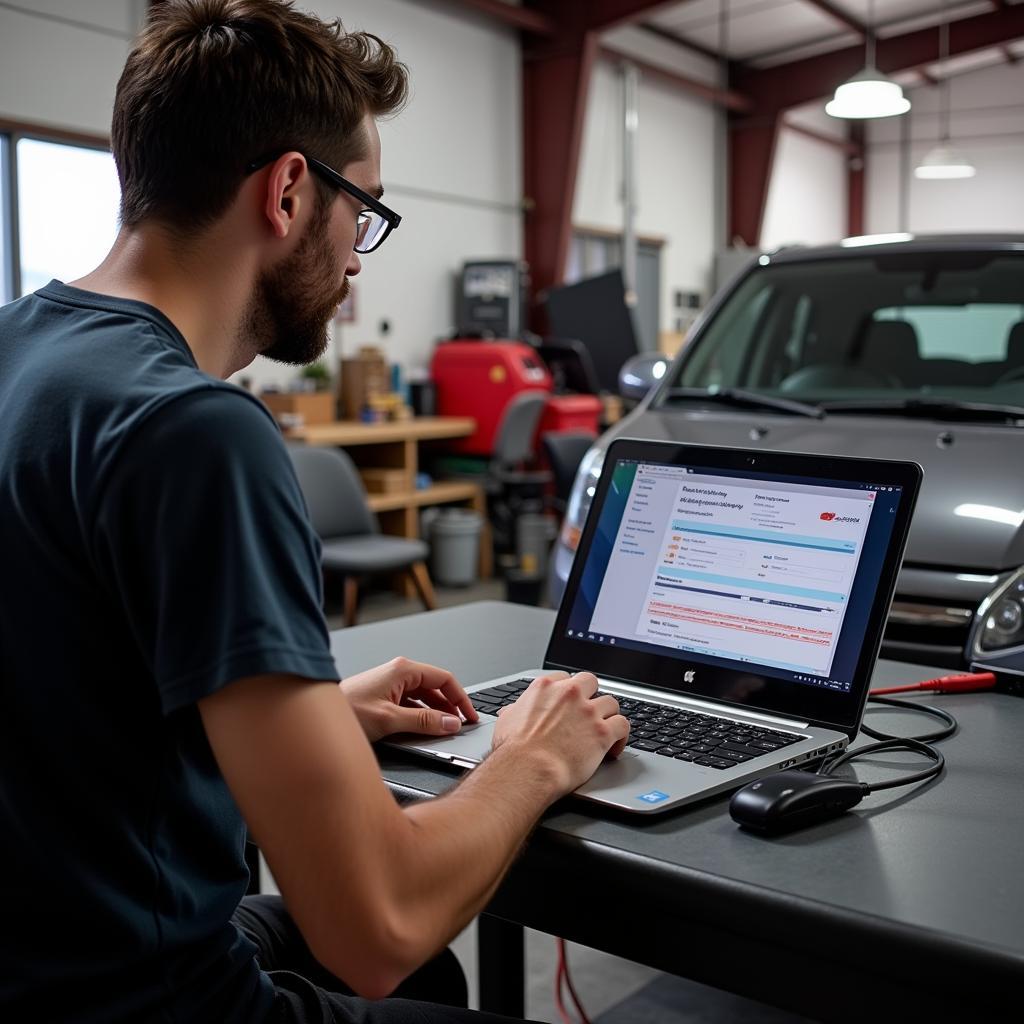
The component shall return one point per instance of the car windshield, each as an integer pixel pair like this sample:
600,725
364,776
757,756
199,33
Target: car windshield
888,331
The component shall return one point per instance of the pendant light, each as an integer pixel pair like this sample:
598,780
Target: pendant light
869,93
944,161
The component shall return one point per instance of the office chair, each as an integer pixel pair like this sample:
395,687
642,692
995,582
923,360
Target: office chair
511,483
565,452
352,542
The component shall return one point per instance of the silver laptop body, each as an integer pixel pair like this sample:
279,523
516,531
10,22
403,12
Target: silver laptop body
665,571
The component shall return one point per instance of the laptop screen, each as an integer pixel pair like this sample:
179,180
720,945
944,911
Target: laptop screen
769,575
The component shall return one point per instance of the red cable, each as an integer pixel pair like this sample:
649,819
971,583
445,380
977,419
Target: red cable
965,683
559,975
564,976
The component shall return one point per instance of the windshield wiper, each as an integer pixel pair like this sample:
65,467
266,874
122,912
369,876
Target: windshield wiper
748,399
933,408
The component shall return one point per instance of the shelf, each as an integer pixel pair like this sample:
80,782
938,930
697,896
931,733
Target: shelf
345,433
436,494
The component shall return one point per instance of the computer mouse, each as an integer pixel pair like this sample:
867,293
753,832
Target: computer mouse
792,799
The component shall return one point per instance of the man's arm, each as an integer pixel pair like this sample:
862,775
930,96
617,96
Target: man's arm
376,889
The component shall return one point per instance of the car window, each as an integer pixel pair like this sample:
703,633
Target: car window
976,332
888,326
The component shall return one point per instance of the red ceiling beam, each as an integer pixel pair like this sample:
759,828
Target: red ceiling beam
721,97
517,17
677,40
803,81
608,14
848,147
839,15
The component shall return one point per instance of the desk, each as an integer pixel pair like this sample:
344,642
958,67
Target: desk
395,445
909,907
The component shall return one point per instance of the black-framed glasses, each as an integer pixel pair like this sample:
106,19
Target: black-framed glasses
375,221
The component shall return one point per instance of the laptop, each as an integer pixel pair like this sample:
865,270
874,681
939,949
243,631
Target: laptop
733,601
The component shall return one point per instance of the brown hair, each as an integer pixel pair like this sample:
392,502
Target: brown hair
212,85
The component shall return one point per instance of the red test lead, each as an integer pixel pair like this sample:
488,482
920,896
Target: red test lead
964,683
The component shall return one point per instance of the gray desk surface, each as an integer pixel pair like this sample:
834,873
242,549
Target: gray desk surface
915,898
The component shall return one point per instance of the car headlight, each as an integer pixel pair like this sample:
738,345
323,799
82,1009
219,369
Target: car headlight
580,498
1001,618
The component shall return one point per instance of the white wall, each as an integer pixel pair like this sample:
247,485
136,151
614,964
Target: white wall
987,123
807,191
675,176
451,163
63,72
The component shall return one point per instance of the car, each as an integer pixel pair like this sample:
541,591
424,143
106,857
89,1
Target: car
908,348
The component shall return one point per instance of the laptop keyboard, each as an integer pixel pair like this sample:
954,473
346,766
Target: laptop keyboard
708,740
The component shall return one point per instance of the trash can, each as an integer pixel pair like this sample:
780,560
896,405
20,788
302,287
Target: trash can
535,534
455,546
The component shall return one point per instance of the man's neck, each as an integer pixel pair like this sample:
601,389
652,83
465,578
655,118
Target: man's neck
198,287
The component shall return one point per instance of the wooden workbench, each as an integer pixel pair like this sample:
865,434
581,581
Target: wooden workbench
395,445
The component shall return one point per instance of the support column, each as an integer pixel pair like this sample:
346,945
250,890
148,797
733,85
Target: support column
752,143
556,80
855,168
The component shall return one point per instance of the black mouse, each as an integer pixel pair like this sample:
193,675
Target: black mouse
791,799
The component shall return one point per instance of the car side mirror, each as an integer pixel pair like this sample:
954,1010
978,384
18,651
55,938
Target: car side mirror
640,373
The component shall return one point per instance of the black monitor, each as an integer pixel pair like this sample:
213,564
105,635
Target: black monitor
595,312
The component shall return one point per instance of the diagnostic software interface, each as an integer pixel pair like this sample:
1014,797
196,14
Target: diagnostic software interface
780,572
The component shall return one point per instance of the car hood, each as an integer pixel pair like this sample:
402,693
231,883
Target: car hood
971,507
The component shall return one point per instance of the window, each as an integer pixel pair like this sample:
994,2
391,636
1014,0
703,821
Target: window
60,217
977,332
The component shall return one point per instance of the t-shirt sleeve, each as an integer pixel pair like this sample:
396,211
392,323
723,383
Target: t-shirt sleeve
202,535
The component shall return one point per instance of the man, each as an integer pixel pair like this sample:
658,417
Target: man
164,662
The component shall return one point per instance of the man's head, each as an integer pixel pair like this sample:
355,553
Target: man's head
214,86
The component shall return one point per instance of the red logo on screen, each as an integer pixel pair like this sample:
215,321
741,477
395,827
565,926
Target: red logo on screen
827,516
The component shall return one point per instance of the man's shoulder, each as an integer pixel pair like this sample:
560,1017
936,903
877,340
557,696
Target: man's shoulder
212,414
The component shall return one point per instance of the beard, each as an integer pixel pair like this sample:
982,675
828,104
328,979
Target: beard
293,303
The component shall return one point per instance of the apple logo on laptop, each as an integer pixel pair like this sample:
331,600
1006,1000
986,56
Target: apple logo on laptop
688,675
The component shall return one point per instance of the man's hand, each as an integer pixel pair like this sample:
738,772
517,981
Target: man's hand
407,696
559,717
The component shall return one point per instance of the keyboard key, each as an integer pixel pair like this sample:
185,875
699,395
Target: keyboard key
721,763
740,748
687,755
765,744
670,751
646,745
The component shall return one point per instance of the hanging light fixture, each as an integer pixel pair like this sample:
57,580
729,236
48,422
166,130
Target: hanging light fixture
869,93
944,161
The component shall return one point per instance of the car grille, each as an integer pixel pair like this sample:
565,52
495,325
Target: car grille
935,634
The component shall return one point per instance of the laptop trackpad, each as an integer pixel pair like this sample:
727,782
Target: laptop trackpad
470,743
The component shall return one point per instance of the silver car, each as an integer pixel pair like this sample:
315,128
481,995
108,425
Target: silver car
909,349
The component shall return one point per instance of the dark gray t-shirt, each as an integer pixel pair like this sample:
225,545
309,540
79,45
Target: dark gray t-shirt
154,546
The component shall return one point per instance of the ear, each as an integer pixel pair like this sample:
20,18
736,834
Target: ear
282,200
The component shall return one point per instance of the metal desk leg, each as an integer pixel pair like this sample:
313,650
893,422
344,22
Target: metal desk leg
501,958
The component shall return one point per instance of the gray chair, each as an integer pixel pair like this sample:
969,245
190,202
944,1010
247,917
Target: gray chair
352,542
511,482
